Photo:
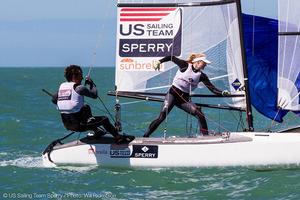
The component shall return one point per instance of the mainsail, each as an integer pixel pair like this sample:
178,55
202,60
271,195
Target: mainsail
149,30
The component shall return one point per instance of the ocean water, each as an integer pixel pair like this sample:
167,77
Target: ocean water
29,122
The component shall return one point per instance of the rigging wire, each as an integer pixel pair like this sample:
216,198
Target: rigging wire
169,79
99,39
239,120
98,108
209,119
98,42
273,120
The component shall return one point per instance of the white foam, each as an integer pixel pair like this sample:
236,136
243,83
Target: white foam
37,162
25,162
81,169
3,154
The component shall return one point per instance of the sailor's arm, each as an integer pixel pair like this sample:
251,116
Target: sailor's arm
88,92
182,64
209,85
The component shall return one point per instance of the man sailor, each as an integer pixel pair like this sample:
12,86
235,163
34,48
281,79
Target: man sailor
77,116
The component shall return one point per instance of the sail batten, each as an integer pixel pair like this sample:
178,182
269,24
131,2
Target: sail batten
288,33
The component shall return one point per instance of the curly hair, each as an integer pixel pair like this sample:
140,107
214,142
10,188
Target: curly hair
195,55
72,70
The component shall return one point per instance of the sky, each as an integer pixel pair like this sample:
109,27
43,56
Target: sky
64,32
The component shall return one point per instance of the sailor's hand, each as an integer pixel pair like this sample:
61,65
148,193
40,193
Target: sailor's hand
156,65
225,93
89,81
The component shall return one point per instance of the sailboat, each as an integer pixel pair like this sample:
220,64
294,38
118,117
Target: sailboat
149,31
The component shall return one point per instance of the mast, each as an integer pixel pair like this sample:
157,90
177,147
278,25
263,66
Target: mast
246,83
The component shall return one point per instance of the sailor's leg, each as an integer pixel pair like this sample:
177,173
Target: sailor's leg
192,109
85,113
166,108
94,122
104,121
71,121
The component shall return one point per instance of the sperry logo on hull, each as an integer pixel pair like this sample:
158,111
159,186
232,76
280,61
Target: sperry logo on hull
144,151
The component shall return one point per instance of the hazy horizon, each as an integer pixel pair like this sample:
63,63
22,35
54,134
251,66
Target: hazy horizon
58,33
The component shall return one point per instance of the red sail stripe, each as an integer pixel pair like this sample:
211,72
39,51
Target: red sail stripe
143,14
139,19
146,9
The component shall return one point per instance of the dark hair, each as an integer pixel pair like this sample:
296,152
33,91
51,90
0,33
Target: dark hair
72,70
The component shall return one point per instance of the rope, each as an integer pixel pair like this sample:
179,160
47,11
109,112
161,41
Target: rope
103,104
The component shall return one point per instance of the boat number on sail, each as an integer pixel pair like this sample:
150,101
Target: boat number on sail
147,33
144,151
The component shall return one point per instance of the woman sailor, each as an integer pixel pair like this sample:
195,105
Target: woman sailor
186,80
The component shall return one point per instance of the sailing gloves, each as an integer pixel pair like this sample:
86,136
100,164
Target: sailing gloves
225,93
156,65
89,81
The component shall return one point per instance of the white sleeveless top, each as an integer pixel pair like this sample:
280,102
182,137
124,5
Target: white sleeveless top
69,101
187,80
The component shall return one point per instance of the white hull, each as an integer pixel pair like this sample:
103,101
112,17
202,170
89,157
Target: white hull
240,149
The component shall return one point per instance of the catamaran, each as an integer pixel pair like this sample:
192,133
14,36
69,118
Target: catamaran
148,31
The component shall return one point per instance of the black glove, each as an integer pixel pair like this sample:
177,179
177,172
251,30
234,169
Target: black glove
225,93
90,83
156,65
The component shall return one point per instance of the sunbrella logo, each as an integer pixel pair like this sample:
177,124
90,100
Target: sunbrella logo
129,64
149,32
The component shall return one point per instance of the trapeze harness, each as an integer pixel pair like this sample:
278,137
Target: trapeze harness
69,101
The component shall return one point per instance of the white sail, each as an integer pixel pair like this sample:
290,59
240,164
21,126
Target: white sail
289,54
146,34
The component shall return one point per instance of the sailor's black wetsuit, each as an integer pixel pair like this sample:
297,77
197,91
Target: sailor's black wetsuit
186,80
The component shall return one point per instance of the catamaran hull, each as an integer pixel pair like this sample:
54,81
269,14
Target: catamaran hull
240,149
